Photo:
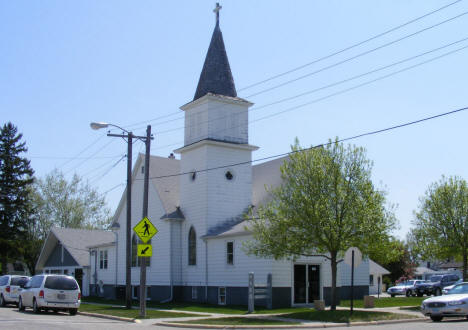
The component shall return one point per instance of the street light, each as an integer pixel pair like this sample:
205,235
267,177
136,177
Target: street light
147,140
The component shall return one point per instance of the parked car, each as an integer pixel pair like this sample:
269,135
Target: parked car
451,305
406,288
9,288
446,289
435,285
51,292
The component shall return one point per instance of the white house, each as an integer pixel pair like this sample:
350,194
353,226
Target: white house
197,253
375,277
65,251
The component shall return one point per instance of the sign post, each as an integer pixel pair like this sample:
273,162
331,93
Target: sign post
144,230
353,257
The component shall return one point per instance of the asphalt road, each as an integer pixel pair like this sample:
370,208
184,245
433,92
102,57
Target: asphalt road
11,318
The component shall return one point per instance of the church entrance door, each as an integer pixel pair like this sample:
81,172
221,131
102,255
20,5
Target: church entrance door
306,283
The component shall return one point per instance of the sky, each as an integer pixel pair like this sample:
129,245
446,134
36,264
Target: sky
64,64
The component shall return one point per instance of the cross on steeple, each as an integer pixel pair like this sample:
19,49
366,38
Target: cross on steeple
216,10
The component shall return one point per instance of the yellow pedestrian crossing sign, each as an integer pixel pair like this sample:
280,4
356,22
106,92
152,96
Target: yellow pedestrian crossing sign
145,230
145,250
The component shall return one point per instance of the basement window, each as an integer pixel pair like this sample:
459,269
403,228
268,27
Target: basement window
194,293
221,296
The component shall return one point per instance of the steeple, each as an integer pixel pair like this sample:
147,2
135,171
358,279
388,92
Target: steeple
216,76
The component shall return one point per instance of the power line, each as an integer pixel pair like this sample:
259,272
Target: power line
317,146
358,55
325,86
100,176
115,187
350,47
320,59
87,158
102,165
346,89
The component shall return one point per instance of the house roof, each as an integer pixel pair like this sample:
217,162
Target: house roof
376,268
216,76
76,241
167,186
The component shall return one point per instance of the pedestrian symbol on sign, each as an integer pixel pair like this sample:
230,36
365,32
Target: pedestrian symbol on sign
145,230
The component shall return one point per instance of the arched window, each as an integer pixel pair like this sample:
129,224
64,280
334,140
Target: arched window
136,261
192,247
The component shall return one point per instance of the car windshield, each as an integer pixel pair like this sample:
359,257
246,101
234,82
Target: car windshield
436,278
19,281
410,282
461,288
401,284
60,283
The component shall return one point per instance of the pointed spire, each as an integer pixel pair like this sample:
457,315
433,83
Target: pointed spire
216,76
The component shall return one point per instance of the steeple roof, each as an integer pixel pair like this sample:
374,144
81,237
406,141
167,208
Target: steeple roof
216,76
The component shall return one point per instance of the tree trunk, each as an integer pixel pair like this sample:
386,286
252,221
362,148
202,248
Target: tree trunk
464,265
334,292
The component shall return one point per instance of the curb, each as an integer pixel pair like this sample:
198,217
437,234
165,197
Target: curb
110,317
292,326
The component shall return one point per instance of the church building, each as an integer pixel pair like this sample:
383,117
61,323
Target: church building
197,252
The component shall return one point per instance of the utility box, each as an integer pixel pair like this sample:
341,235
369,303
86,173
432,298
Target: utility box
369,301
319,305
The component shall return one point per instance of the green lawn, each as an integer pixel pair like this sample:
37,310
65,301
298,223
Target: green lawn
387,302
343,316
239,321
196,307
130,313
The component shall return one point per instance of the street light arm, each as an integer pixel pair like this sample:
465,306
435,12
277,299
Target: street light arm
99,125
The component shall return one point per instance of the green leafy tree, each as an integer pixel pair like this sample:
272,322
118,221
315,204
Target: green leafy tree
68,204
326,204
441,225
15,178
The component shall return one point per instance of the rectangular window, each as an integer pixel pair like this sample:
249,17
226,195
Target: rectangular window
103,259
136,292
230,253
194,292
371,279
222,296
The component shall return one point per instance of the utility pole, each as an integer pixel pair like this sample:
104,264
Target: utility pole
145,214
128,229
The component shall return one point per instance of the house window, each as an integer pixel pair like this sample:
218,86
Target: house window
103,259
192,247
136,292
371,279
222,296
194,292
136,261
230,253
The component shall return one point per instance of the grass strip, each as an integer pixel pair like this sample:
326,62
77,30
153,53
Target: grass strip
130,313
387,302
197,307
239,321
341,316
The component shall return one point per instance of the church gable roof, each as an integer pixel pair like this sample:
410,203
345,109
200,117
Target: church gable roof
216,76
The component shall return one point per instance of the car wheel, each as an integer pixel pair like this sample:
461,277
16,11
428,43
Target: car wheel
420,294
408,293
2,301
437,318
20,305
392,295
36,308
437,292
73,311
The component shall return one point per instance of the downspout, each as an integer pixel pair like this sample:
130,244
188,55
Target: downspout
170,266
95,273
206,270
116,258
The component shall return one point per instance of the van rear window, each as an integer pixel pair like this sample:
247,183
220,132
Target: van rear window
18,281
60,283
